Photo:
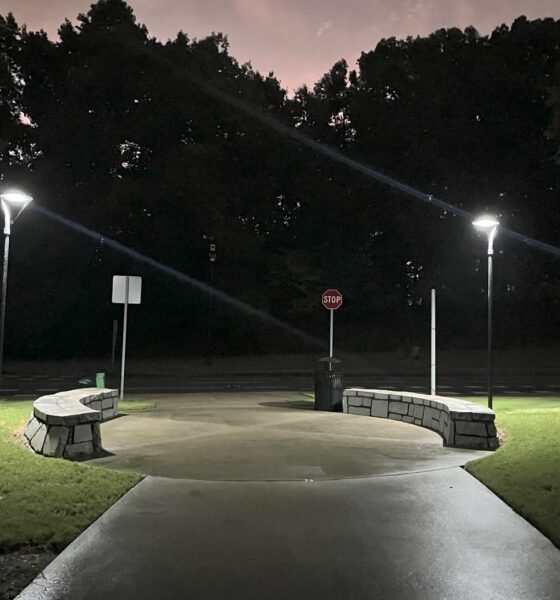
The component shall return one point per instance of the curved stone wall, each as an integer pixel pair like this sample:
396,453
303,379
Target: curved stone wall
461,424
67,424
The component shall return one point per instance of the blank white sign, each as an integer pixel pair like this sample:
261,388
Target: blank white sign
134,289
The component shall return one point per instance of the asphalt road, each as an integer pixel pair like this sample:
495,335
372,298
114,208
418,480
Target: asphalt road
470,384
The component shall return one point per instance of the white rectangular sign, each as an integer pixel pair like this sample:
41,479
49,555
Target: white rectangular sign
134,289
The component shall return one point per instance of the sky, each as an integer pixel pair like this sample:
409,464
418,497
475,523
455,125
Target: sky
299,40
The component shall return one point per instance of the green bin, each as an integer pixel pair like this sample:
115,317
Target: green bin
100,380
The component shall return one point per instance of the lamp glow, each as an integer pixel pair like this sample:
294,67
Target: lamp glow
17,198
486,223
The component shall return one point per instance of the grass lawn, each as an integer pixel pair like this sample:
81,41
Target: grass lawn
525,470
46,501
126,406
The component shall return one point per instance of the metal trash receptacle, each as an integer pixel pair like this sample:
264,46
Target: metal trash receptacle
328,384
100,380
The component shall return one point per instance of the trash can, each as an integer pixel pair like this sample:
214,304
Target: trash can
328,384
100,380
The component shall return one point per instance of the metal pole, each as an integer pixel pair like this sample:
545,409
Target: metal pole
4,297
490,254
210,307
332,334
433,345
125,321
114,342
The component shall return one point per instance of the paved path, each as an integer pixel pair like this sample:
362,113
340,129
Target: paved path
356,510
267,436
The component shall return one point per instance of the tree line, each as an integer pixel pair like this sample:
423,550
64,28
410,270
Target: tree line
117,131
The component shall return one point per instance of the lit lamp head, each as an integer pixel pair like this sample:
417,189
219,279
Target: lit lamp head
16,201
487,224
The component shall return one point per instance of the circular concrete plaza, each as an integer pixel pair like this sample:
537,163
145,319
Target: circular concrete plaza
268,436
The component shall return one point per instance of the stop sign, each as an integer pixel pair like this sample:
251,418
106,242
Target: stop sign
332,299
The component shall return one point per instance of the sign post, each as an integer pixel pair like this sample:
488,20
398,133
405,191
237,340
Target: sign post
126,290
433,346
331,300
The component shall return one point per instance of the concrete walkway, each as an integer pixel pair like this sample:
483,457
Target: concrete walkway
264,437
358,508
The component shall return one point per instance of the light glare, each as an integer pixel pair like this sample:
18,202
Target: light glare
15,197
486,223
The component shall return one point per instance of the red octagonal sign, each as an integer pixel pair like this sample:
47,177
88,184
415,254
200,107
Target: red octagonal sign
332,299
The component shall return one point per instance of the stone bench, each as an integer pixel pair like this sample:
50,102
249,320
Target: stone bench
67,424
460,423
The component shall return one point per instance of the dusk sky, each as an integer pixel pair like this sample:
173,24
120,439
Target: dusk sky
297,39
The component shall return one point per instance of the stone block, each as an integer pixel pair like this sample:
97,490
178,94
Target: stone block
82,433
96,405
418,422
418,411
418,401
344,404
471,442
406,399
56,440
366,402
396,397
380,396
380,408
460,415
449,436
471,428
109,414
398,407
427,416
358,410
483,416
493,443
38,439
408,419
31,428
349,392
96,428
491,430
356,401
81,449
395,416
411,408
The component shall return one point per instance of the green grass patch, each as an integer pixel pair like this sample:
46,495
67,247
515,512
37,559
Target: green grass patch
47,501
525,470
127,406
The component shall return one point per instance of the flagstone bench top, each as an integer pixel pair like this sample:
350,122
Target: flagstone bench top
72,407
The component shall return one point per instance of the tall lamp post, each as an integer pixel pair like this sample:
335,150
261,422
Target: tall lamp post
212,261
13,203
489,225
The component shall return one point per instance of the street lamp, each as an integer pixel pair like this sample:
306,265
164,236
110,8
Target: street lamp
212,261
489,225
13,204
